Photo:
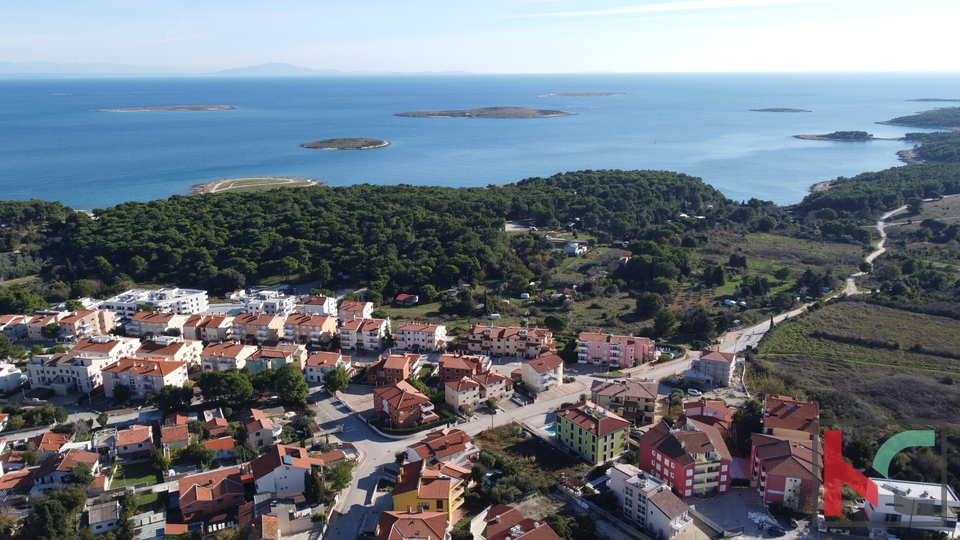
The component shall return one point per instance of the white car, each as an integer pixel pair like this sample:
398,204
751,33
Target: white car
694,392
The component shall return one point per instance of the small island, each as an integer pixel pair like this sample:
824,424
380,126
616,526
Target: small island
355,143
174,108
587,94
842,136
487,112
779,109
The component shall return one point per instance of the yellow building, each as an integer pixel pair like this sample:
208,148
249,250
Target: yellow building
435,488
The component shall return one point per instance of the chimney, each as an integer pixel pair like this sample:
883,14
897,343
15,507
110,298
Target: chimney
497,519
419,509
409,509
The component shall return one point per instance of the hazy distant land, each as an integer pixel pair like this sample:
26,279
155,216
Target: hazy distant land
779,109
356,143
586,94
487,112
173,108
933,99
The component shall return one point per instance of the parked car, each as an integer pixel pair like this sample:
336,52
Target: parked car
776,531
793,523
821,523
694,392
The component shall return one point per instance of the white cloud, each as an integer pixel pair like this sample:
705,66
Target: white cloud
689,5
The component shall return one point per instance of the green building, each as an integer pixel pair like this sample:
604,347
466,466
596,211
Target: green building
592,431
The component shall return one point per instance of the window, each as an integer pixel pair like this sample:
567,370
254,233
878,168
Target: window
139,445
206,505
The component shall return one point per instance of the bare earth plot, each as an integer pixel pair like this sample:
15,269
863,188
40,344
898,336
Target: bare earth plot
252,184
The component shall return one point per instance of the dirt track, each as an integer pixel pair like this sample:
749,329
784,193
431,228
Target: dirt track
237,183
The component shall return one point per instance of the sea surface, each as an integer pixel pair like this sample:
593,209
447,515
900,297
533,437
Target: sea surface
56,145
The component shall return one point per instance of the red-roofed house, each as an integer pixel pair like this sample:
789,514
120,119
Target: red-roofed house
451,445
321,305
783,471
363,334
84,323
543,373
319,364
608,349
257,327
260,430
172,348
143,376
503,522
421,337
223,356
402,406
154,323
48,444
454,367
133,442
591,431
788,417
55,472
713,412
714,368
406,299
394,368
13,326
36,323
211,493
281,470
692,457
223,445
174,437
309,328
508,341
421,485
355,310
412,525
209,328
471,392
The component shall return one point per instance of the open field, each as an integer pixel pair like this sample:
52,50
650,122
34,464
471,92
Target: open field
251,184
548,463
766,252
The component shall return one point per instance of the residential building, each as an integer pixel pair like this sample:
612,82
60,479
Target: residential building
448,444
11,377
421,337
223,445
80,369
321,305
56,472
785,471
788,417
319,364
208,328
36,323
692,457
174,437
394,368
508,341
406,299
259,429
472,391
309,328
172,299
454,367
711,412
215,422
263,359
143,376
714,368
364,334
103,518
420,485
591,431
281,470
402,406
413,525
914,506
176,349
271,303
155,323
81,324
505,522
226,355
131,442
13,326
648,502
614,351
355,310
636,400
296,351
542,374
257,327
211,493
48,444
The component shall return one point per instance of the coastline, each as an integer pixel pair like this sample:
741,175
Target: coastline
212,187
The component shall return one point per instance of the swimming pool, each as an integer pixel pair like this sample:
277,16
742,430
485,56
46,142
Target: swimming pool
552,429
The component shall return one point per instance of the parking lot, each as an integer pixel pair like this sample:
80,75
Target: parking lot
733,510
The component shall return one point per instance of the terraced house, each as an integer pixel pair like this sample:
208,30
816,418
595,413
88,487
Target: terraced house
635,400
591,431
209,328
309,328
508,341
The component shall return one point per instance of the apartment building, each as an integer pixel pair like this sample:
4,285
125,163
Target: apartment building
155,323
635,400
171,299
208,328
309,328
143,376
591,431
648,502
13,326
394,368
421,337
455,366
471,392
789,417
507,341
81,324
364,334
80,369
691,456
714,368
401,406
172,348
504,522
448,444
223,356
785,471
543,373
268,359
321,305
612,350
271,303
319,364
355,310
422,486
40,319
257,327
913,508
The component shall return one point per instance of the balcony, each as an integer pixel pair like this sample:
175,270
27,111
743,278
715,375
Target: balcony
680,524
427,407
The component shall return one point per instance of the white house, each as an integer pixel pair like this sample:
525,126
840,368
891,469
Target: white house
103,518
421,337
180,301
271,303
543,373
914,507
281,470
56,472
648,502
11,377
321,305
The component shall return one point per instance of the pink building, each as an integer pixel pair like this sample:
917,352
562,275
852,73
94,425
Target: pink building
617,351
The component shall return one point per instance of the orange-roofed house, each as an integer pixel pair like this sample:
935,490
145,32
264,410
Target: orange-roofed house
257,327
543,373
420,485
84,323
260,430
13,326
710,411
692,456
394,368
36,323
209,328
421,337
172,348
174,437
281,470
48,444
454,367
612,350
355,310
503,522
135,441
309,328
448,444
56,472
402,406
363,334
143,376
508,341
319,364
224,356
81,369
714,368
785,471
633,399
321,305
223,445
268,359
209,494
787,417
154,323
592,431
413,524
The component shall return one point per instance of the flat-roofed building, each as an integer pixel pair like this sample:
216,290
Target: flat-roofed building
172,299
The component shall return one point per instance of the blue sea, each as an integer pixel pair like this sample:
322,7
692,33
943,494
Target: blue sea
55,145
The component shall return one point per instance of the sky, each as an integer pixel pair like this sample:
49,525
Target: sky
489,36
